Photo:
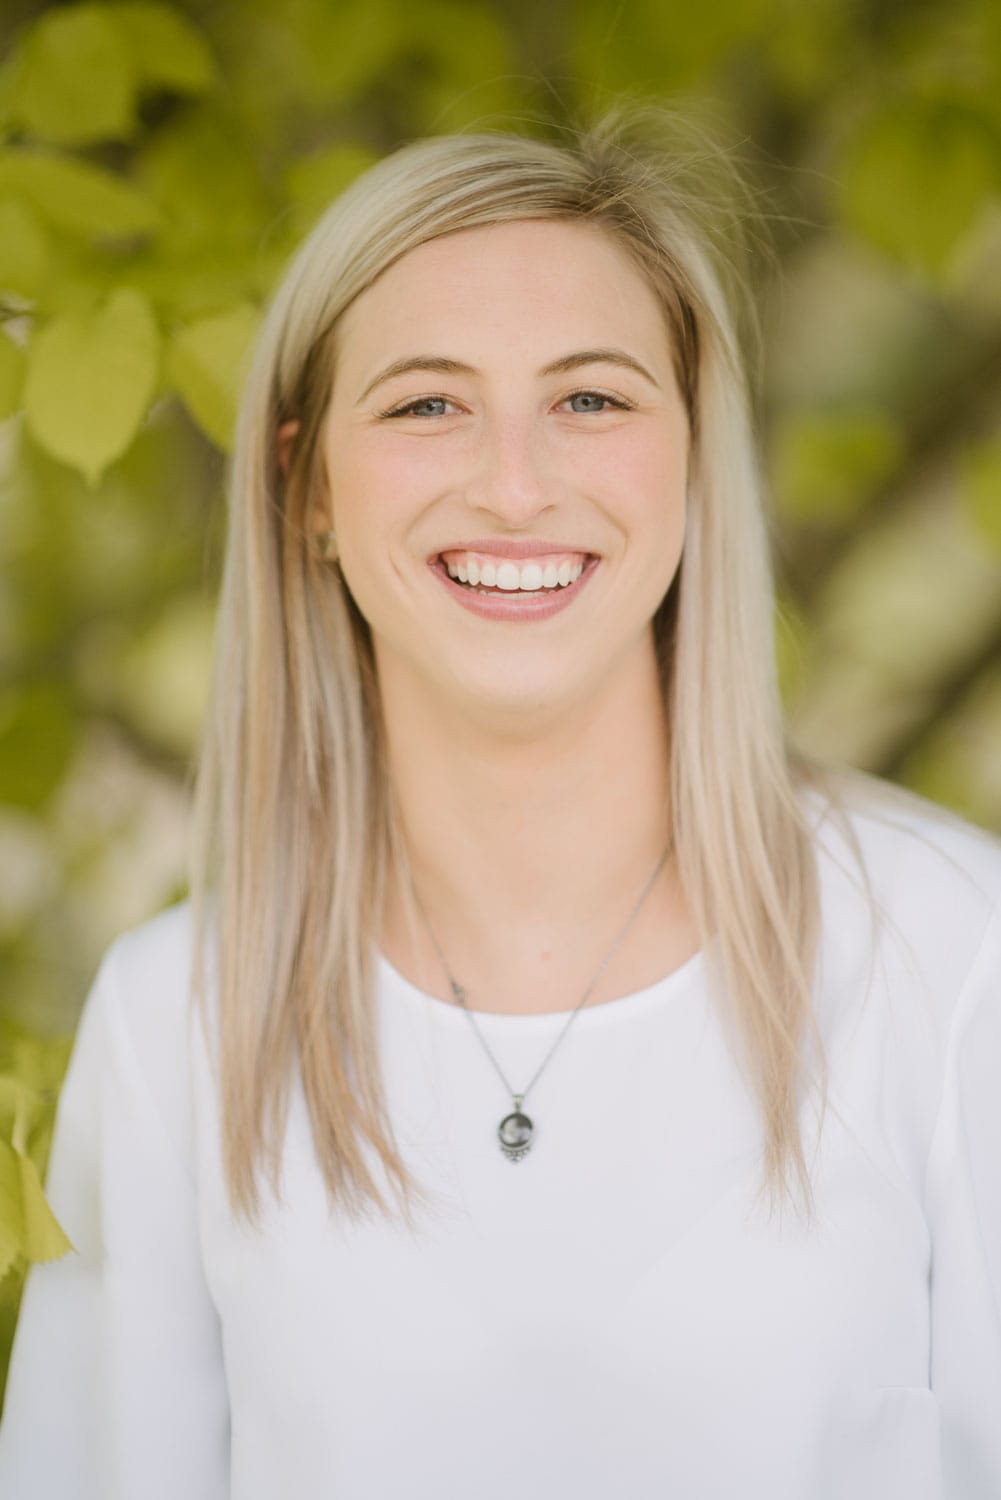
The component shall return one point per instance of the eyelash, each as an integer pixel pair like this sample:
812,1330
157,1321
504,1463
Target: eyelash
617,403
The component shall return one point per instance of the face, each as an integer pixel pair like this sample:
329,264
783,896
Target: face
511,384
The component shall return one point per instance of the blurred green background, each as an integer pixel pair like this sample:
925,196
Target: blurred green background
159,162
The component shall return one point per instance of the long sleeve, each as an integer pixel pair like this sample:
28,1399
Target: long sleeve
964,1212
116,1388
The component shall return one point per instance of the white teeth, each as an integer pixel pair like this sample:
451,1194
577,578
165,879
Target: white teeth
528,578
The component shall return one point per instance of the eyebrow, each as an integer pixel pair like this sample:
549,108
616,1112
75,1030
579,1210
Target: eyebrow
438,364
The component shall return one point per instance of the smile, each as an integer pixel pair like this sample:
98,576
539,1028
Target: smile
507,598
477,571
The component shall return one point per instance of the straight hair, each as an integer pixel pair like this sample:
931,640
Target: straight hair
296,832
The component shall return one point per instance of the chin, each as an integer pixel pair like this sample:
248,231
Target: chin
530,700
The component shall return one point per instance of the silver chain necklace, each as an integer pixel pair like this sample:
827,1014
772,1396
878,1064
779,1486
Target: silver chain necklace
517,1130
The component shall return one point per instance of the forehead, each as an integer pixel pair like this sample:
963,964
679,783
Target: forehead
522,283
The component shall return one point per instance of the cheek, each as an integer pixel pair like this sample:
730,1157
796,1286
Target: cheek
645,481
651,486
372,483
376,489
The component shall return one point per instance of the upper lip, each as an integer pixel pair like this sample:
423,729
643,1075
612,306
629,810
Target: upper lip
497,548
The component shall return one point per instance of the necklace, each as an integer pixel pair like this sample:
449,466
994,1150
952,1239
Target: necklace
516,1130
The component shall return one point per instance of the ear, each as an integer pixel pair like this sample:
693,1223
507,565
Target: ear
319,517
286,437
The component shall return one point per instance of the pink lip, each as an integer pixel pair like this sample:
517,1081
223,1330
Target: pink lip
496,607
498,548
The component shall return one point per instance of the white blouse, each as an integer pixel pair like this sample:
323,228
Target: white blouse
611,1315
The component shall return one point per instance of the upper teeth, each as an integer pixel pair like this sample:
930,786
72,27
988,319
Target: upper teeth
508,575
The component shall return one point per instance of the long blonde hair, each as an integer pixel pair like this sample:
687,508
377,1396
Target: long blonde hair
295,829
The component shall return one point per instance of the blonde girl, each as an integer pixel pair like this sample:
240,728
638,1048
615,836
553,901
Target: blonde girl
556,1085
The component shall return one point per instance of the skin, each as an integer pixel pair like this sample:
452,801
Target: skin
529,759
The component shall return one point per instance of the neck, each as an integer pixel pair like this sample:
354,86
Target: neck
528,854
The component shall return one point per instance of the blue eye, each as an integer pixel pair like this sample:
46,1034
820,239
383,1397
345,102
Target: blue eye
586,403
420,408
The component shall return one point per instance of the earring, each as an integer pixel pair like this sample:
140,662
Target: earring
328,546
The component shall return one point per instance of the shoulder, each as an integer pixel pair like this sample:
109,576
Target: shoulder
147,973
160,946
137,1023
911,881
916,854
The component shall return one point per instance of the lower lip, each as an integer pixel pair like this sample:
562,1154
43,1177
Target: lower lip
514,607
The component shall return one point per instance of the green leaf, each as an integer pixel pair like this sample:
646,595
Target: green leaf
330,55
314,181
917,177
90,380
76,196
20,1108
206,364
192,282
826,464
24,249
981,490
644,47
208,185
11,1288
11,1211
465,64
165,48
28,1227
353,46
207,182
12,363
799,50
38,1061
81,276
8,82
74,79
44,1237
37,741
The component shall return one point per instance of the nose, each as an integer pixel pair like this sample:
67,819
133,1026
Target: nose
510,476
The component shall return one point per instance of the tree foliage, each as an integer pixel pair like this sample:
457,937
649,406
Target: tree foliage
159,161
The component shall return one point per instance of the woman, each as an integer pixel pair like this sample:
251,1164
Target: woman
592,1097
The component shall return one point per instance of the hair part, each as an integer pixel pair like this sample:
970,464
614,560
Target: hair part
296,833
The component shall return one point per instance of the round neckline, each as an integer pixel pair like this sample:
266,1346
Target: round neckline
607,1012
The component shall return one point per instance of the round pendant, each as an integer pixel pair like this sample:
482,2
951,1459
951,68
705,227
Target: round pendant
515,1134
